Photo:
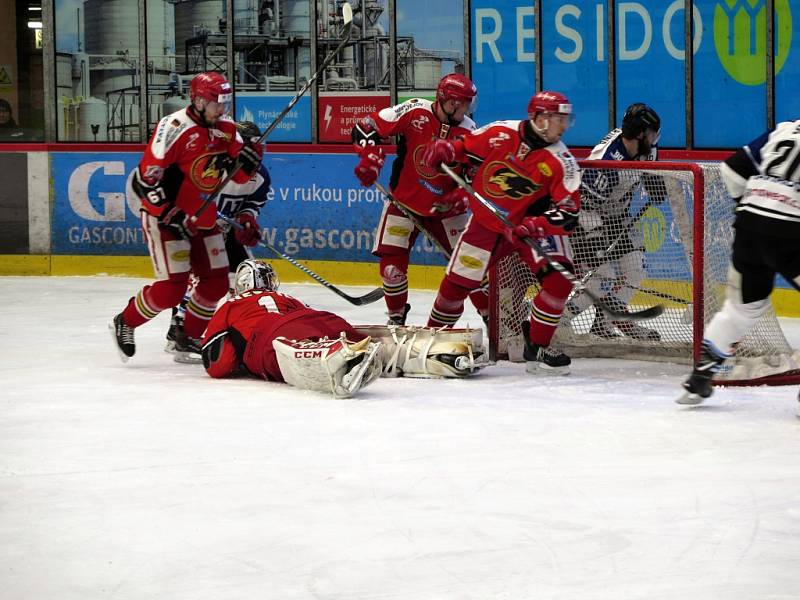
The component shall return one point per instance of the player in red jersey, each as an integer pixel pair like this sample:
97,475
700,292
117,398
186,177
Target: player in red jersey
262,332
526,170
432,196
184,161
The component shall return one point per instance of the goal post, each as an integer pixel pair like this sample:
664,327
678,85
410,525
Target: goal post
681,215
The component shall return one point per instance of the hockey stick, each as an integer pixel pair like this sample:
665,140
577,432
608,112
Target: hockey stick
368,298
411,217
347,20
618,315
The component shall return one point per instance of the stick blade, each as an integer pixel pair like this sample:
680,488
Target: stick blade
369,298
642,315
347,13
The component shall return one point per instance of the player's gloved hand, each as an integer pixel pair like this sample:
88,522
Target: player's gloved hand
438,152
250,232
179,222
369,167
553,222
455,202
249,158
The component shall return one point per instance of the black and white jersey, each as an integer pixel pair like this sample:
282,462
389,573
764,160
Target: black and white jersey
609,190
249,196
764,178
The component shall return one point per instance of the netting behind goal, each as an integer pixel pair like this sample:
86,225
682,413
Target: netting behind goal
686,231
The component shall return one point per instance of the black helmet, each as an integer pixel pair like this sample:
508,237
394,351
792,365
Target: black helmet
639,118
248,130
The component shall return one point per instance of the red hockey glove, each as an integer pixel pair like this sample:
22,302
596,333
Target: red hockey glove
178,222
249,158
438,152
553,222
250,233
454,203
369,167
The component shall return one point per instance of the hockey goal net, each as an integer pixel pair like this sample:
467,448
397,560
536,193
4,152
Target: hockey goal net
681,214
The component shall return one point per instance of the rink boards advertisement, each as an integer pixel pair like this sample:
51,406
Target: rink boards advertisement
316,209
729,63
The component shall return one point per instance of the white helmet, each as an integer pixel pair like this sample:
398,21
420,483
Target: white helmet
255,275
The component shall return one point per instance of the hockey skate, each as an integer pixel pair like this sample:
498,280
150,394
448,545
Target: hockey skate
698,386
636,331
123,337
543,360
399,318
602,328
175,323
187,350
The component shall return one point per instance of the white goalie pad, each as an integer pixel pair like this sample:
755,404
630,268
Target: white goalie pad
428,353
337,366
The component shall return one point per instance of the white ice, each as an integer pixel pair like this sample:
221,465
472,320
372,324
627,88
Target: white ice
152,481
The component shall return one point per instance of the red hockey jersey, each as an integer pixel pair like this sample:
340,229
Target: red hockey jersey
235,322
189,161
414,184
520,180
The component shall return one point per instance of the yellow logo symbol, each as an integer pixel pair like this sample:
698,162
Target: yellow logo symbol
471,262
180,256
545,170
398,231
740,38
653,227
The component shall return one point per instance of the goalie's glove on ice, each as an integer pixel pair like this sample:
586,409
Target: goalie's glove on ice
179,222
250,232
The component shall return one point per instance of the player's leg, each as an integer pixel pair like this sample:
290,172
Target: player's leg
631,274
446,231
169,255
395,237
209,263
547,308
466,270
751,277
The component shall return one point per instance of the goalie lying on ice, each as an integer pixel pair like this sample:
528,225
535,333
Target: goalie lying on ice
271,335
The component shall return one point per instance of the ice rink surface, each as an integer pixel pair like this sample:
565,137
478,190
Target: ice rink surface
152,481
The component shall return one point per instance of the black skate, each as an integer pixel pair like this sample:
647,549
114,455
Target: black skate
187,349
123,336
543,360
698,386
601,327
636,331
175,323
399,319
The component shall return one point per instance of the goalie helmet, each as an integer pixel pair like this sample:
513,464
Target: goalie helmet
254,274
459,88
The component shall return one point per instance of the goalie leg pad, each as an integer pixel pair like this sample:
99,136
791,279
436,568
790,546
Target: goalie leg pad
427,352
336,366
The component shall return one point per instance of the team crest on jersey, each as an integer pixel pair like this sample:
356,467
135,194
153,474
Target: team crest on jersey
501,181
207,170
419,122
423,169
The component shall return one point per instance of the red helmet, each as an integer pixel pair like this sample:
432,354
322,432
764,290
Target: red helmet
459,88
549,102
212,87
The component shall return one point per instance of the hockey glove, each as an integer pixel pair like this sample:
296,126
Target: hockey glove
152,196
438,152
249,158
364,136
369,167
178,222
250,233
553,222
454,203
